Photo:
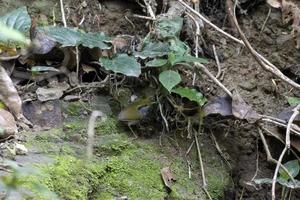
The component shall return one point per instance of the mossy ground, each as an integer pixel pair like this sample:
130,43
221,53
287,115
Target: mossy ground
120,166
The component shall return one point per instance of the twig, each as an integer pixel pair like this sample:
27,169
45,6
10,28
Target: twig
267,65
189,149
196,41
209,23
149,9
91,132
162,114
201,166
219,149
142,17
263,62
217,61
265,22
287,146
280,139
294,128
77,60
270,157
63,13
210,75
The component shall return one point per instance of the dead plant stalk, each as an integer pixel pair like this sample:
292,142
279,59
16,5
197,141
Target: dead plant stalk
287,147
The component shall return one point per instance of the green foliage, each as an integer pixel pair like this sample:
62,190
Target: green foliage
14,25
157,63
293,168
191,94
169,79
37,69
76,37
168,27
122,63
177,59
293,101
17,19
284,179
153,49
17,182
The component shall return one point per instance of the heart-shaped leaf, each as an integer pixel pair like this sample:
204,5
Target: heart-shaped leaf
176,59
157,63
153,49
17,19
293,167
123,64
74,37
169,79
168,27
191,94
293,101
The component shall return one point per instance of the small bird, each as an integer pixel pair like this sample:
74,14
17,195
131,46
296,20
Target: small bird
135,112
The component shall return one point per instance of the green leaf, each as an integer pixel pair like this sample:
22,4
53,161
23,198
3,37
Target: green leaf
157,63
166,27
17,19
64,36
178,47
92,40
293,168
74,37
123,64
289,184
169,79
191,94
13,25
43,69
153,49
293,101
186,59
7,34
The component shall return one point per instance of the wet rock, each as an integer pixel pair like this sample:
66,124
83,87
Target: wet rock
44,114
21,149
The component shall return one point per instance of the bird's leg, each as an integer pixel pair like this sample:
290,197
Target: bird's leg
135,136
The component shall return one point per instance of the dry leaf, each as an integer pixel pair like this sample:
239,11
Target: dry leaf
241,110
167,177
274,3
219,105
9,95
7,124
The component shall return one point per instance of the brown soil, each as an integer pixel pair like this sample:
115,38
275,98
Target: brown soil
258,88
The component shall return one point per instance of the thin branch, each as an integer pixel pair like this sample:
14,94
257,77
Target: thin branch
209,23
263,62
287,146
149,9
196,41
210,75
91,132
217,61
63,13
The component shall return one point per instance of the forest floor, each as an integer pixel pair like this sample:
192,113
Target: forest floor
124,167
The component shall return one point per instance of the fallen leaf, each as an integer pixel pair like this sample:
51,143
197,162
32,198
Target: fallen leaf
7,124
9,95
275,3
241,110
219,105
167,176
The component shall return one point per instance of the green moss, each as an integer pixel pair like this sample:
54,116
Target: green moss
113,144
76,108
217,181
107,127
